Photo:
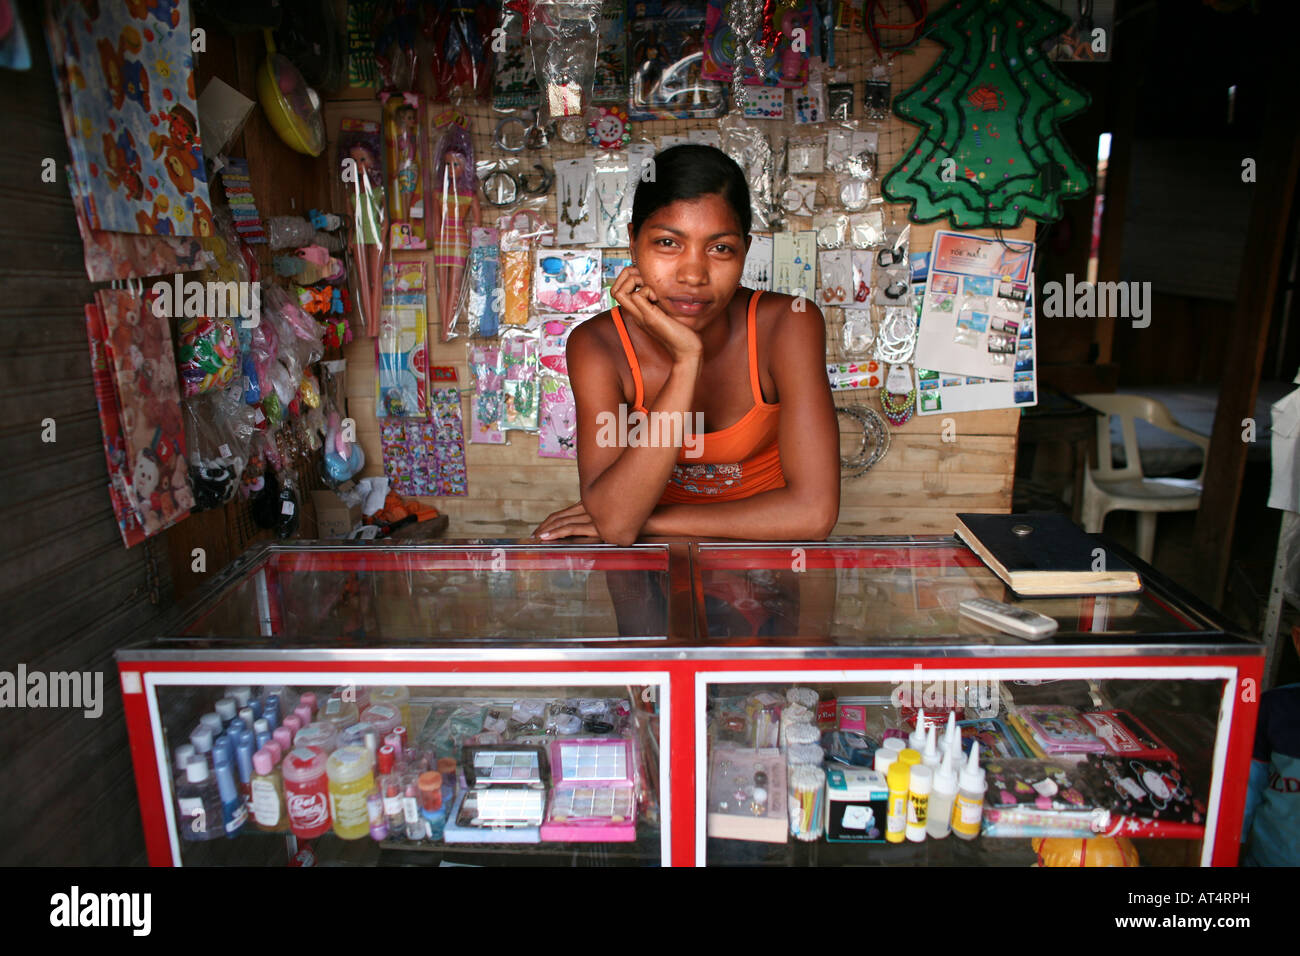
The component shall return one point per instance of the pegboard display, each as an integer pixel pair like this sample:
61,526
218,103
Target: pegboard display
511,488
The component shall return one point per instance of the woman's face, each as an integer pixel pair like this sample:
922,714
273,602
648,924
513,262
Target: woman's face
690,253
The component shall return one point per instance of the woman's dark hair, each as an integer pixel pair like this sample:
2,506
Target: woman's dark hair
690,171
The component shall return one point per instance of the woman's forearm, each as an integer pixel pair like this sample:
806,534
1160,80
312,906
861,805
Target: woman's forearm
778,515
622,498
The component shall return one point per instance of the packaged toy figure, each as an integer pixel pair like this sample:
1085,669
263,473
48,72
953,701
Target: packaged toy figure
455,211
406,166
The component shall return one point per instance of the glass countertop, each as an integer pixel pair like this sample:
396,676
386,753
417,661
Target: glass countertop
656,599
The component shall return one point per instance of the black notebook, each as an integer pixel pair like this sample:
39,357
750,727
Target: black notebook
1045,554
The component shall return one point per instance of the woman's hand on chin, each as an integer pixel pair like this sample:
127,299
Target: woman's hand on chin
570,522
638,301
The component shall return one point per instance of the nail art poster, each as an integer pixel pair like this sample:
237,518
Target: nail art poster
131,75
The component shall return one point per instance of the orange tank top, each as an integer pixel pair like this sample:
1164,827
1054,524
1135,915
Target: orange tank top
736,462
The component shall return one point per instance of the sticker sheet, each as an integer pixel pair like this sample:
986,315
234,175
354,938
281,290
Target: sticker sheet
400,349
134,128
427,458
143,367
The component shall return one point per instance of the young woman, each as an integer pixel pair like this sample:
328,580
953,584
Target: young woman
688,345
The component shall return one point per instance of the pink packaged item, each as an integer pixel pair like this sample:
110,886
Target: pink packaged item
1060,730
593,795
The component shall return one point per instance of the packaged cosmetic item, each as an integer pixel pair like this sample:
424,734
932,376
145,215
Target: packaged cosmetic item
267,792
340,713
350,780
234,811
198,803
763,716
593,796
395,696
857,805
747,795
322,735
306,791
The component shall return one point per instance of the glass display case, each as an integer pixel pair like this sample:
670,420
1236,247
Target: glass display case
672,704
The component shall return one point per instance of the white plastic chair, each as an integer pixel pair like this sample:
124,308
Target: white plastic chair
1107,488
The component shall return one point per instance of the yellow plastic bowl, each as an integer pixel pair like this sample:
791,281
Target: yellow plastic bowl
301,129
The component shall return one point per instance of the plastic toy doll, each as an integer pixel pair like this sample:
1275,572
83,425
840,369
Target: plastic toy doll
455,210
367,241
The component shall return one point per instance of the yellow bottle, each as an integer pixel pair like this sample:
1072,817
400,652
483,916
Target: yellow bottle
968,808
896,822
350,779
394,696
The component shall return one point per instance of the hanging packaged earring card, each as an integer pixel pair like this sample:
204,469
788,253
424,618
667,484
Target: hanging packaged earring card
575,202
519,383
567,282
794,258
400,348
758,264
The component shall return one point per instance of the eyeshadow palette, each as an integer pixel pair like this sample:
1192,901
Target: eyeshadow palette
504,765
594,798
473,822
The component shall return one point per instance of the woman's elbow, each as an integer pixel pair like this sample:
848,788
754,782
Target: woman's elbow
824,514
613,531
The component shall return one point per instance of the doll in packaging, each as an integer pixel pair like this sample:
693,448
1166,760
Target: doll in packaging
406,166
363,181
455,210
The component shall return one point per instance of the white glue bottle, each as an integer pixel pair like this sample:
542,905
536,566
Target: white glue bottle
916,739
931,756
968,809
943,791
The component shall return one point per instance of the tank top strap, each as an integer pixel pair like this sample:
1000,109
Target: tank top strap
633,364
752,332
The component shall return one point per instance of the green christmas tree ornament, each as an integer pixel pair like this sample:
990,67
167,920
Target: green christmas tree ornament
990,153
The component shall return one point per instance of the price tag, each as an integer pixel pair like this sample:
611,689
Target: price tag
286,508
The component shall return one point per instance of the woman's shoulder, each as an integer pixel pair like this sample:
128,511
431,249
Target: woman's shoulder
779,315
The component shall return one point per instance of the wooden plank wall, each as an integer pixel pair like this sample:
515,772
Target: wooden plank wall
915,490
70,593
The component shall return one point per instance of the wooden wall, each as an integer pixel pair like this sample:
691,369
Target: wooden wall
917,488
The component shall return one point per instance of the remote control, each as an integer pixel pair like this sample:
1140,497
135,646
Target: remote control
1010,618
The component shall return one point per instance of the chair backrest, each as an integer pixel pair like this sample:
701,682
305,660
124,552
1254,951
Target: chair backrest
1128,408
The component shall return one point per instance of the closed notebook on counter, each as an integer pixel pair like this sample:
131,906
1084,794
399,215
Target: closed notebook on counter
1045,555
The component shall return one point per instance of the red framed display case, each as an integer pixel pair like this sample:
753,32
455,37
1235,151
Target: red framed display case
674,631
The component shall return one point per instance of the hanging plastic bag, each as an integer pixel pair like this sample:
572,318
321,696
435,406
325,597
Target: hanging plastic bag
363,181
455,210
564,37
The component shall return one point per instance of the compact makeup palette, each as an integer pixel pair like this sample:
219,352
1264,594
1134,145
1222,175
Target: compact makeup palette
593,799
513,819
504,765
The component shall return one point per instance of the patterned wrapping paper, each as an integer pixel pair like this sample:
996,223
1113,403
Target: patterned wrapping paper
133,131
113,255
110,420
427,458
142,365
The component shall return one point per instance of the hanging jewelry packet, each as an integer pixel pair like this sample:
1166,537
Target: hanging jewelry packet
575,202
613,199
485,408
519,383
898,397
483,296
